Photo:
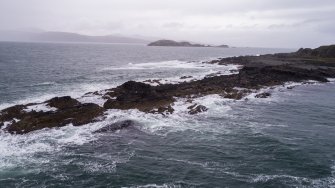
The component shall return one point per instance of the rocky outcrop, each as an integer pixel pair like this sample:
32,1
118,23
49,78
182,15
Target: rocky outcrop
305,58
69,111
136,95
158,99
322,51
62,102
257,72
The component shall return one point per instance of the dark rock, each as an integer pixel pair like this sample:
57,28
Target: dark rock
237,95
263,95
10,113
136,95
167,109
62,102
69,111
290,87
185,77
195,109
192,106
117,126
322,51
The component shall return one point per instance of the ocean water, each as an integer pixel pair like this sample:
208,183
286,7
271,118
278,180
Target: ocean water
283,141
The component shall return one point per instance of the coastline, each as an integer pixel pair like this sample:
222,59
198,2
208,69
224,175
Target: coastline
256,72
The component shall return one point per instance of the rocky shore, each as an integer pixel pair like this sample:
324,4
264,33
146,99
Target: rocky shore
257,72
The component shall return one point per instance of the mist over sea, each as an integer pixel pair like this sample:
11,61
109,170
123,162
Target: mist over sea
286,140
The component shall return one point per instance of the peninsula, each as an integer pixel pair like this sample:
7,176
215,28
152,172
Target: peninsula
256,72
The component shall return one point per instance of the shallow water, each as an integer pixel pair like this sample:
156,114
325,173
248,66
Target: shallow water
283,141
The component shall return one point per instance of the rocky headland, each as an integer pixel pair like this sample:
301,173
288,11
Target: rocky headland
256,73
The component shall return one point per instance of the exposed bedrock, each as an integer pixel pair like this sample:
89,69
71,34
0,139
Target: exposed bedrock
69,111
136,95
257,72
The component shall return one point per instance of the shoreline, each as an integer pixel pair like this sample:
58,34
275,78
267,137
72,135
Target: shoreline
255,74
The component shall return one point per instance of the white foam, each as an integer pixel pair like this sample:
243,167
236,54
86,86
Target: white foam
44,84
6,124
209,70
180,120
174,64
155,65
75,91
165,185
19,150
275,90
43,107
265,178
92,98
301,181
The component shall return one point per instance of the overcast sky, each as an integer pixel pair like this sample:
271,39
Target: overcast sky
263,23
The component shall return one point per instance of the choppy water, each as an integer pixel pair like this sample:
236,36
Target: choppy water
284,141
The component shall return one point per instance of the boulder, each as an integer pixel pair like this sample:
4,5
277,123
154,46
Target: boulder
263,95
195,109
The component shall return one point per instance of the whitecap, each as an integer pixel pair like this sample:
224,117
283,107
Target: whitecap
43,107
43,84
173,64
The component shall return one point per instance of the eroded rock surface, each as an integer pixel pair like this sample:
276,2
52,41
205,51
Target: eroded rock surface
69,111
136,95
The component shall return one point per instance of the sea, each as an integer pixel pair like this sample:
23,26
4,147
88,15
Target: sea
286,140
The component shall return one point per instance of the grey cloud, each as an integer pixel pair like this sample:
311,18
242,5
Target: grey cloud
237,22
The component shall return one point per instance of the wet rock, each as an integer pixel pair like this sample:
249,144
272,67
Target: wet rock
185,77
195,109
136,95
164,110
62,102
263,95
290,87
237,95
117,126
11,113
70,111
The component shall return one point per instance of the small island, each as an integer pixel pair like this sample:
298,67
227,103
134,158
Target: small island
181,44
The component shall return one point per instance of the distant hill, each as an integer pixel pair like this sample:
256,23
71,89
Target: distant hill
65,37
181,44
